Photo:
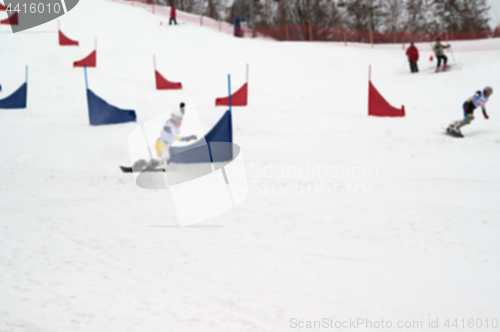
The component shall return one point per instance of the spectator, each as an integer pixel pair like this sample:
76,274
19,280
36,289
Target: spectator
412,54
173,16
237,27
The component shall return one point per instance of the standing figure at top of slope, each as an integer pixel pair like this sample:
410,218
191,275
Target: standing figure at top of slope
173,16
479,99
168,135
439,52
412,54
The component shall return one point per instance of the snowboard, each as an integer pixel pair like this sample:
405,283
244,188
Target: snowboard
442,70
453,133
128,169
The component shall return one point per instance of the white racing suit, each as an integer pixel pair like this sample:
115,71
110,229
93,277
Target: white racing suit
168,135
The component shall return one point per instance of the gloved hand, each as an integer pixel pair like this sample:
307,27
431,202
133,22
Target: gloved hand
486,115
191,138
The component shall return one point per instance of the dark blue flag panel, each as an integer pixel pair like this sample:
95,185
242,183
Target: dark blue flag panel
17,99
102,113
213,147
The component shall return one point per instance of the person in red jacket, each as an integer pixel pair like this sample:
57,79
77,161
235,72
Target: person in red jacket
172,16
412,54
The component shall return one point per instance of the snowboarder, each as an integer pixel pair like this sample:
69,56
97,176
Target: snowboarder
168,135
173,16
412,54
479,99
439,52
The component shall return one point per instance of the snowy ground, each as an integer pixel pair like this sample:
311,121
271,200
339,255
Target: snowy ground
409,233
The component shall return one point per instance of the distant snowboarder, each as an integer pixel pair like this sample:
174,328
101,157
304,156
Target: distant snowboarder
439,52
168,135
479,99
412,54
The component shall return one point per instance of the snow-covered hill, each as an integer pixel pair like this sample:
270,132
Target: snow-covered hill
347,216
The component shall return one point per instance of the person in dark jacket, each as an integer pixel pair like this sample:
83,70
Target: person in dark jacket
412,54
173,16
237,27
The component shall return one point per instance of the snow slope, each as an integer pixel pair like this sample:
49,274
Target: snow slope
347,216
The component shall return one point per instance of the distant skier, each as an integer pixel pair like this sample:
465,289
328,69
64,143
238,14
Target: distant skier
168,135
479,99
412,54
173,16
439,52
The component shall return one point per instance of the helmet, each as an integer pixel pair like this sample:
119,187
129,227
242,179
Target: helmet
488,90
176,116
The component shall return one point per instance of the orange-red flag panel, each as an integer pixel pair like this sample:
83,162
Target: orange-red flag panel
11,20
89,61
239,98
163,84
65,41
378,106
